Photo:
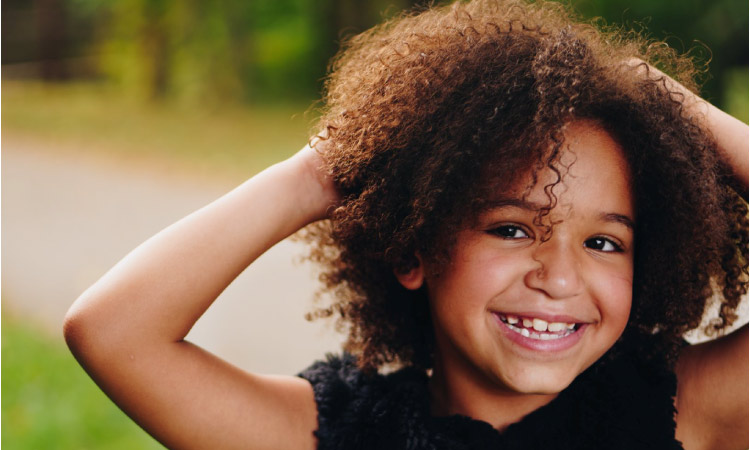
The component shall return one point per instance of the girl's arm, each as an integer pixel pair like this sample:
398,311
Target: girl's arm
712,394
712,386
730,133
128,329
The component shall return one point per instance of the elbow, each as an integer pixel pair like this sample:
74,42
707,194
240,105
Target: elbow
76,328
101,326
88,328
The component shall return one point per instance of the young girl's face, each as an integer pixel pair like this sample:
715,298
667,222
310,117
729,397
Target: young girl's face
513,313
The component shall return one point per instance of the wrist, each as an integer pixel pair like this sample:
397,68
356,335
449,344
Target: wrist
315,191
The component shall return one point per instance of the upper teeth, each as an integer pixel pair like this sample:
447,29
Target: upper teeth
539,324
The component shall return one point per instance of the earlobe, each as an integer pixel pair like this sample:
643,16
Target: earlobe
411,279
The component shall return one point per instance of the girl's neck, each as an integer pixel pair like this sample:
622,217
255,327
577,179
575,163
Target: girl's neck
456,392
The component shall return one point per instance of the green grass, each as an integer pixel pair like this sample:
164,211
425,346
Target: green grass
231,139
49,402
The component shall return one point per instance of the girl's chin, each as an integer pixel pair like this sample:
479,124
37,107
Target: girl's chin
547,384
524,376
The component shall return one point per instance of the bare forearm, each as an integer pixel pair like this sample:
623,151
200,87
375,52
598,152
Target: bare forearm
731,134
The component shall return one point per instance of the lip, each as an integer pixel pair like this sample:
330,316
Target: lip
545,346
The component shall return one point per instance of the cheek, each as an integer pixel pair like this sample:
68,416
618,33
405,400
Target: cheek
464,292
615,294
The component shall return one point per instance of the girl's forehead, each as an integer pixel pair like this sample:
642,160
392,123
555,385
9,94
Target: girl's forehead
589,166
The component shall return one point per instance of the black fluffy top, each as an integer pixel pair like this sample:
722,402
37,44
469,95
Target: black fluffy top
618,403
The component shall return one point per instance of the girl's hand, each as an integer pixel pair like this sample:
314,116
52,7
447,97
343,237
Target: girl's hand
731,134
315,175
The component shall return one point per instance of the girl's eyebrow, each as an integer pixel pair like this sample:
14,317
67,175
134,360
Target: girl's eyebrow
531,206
618,218
517,203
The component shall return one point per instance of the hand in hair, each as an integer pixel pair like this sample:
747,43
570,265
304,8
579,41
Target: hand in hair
730,133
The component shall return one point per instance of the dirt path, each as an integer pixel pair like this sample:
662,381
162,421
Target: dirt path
67,218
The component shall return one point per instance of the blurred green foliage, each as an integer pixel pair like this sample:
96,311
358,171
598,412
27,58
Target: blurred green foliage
48,401
199,51
714,32
735,93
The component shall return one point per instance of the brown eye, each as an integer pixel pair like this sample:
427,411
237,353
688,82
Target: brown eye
509,232
602,244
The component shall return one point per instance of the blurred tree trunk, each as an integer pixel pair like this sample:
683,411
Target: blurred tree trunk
332,20
52,39
340,19
155,47
239,20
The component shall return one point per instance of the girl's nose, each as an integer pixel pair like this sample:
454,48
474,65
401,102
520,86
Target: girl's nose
557,272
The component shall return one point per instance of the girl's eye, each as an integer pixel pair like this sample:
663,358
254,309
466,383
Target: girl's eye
509,232
602,245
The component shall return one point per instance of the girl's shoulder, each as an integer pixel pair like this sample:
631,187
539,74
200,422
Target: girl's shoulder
620,403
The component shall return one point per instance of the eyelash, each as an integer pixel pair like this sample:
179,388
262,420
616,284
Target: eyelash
616,248
498,231
509,232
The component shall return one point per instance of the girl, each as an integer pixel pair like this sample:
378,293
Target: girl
524,218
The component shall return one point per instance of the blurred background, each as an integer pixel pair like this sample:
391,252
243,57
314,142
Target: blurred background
121,116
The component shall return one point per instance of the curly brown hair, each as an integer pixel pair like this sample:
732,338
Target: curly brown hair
429,112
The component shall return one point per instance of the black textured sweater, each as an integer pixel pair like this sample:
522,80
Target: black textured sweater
616,404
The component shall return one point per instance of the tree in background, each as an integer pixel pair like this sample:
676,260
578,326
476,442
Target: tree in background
231,50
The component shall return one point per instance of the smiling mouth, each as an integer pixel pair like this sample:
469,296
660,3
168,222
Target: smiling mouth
534,328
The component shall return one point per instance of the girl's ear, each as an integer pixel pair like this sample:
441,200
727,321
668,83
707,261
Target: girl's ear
413,278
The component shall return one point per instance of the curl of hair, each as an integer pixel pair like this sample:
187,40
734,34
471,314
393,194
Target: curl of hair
429,113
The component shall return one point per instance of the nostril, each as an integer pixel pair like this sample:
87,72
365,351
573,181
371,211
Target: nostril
558,279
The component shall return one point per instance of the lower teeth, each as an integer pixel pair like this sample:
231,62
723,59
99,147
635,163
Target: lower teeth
534,335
